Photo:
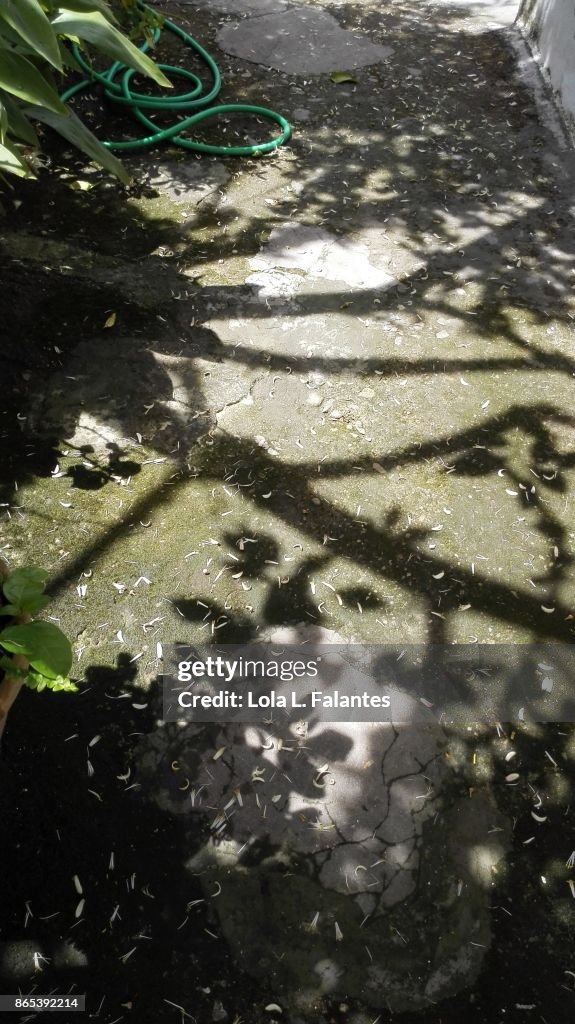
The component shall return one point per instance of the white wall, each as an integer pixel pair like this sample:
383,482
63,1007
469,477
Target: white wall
550,26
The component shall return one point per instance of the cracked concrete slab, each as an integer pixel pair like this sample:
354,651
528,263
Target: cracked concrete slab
183,181
319,255
304,41
179,399
349,816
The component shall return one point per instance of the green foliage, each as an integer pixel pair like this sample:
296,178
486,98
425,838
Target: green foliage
137,20
33,51
23,588
43,644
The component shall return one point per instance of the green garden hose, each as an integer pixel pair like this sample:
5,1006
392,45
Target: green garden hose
120,92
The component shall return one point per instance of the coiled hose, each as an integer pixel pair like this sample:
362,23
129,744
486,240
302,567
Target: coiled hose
116,84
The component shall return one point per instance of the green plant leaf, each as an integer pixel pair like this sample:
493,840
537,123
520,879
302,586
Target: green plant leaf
10,40
13,642
89,5
18,124
24,583
34,604
31,600
19,77
75,132
94,28
28,20
43,644
339,77
9,609
68,59
62,684
38,682
3,120
12,162
9,669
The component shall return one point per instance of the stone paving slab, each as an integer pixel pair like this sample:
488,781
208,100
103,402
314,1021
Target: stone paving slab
303,40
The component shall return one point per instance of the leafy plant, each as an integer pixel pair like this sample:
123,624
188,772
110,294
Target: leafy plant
136,18
34,50
44,654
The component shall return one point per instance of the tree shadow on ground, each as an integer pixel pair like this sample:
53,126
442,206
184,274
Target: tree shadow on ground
93,875
472,203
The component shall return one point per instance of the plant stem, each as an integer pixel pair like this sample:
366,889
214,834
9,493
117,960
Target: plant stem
9,690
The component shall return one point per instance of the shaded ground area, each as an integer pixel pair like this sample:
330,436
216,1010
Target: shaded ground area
331,387
60,822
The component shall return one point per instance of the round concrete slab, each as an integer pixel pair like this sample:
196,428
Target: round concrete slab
301,41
